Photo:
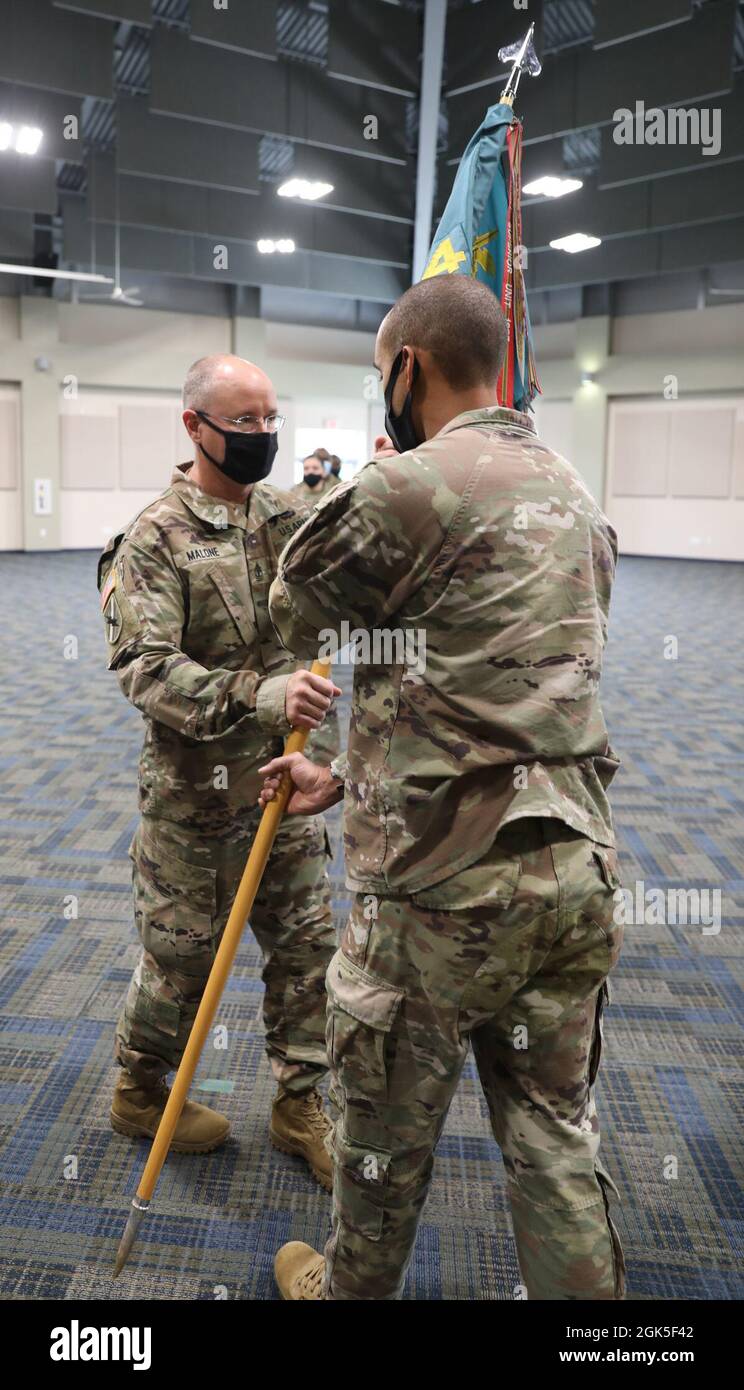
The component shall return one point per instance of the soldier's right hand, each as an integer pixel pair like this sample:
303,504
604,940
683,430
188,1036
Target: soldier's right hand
308,699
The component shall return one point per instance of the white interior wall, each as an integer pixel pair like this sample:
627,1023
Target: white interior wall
554,421
142,355
675,476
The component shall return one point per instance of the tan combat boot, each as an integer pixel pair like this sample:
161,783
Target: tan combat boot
136,1111
299,1270
299,1126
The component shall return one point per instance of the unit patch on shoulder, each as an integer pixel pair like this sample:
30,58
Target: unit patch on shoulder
112,618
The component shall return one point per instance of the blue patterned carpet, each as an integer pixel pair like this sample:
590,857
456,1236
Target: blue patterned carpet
670,1088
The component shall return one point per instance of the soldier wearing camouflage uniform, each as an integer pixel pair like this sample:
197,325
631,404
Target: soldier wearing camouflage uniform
479,840
316,483
184,595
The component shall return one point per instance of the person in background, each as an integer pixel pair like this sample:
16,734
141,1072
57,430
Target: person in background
315,481
334,475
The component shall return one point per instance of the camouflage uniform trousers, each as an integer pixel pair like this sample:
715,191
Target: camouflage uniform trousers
513,956
184,887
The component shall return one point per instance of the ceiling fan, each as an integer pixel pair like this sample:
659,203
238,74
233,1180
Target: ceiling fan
117,295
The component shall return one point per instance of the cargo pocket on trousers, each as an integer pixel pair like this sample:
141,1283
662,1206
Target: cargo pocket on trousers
175,904
149,1016
362,1011
361,1185
618,1259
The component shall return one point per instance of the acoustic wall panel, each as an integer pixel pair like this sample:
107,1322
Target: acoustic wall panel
126,11
641,451
160,147
584,87
249,26
89,449
375,43
16,236
723,122
697,510
225,215
227,88
617,23
46,47
147,438
27,184
700,453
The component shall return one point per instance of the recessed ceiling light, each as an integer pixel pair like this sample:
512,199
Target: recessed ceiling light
28,139
267,246
550,187
6,135
308,189
577,241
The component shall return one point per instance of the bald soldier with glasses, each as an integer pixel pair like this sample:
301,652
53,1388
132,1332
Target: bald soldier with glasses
184,595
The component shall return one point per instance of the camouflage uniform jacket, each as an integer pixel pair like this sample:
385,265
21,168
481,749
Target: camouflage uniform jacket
184,596
311,495
488,545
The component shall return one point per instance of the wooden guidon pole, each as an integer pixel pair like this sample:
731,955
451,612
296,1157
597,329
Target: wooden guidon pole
244,899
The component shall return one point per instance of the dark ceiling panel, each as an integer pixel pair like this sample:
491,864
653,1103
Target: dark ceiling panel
163,148
682,249
637,207
615,23
16,236
247,27
614,212
366,185
28,183
713,194
616,77
45,47
324,111
222,216
621,164
213,85
475,33
172,253
48,111
623,258
375,43
584,87
128,11
626,258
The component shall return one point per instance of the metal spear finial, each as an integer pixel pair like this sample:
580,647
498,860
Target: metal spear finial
524,59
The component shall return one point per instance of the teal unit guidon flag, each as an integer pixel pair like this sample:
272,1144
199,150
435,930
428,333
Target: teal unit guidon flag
480,234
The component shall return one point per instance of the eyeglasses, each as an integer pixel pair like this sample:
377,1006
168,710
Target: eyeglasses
248,424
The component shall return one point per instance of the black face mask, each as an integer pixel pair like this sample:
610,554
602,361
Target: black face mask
312,479
400,427
248,457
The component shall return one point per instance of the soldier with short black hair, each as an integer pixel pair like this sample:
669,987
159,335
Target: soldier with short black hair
478,834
